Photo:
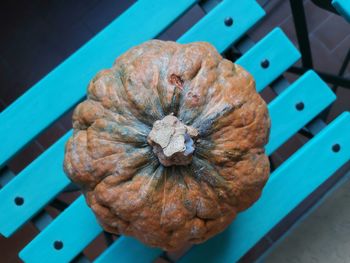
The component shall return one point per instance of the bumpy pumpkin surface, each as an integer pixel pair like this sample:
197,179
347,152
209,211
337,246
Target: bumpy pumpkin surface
169,145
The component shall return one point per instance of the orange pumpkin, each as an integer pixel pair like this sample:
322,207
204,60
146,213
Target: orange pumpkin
169,145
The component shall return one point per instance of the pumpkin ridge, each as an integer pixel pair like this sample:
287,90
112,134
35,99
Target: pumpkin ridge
135,144
152,114
118,118
101,90
175,101
132,103
116,155
213,178
119,133
154,166
205,126
147,155
190,113
160,94
202,153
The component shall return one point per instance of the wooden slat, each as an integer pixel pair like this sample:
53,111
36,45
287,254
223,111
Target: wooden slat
63,87
37,184
121,252
343,7
290,184
47,172
309,88
244,14
286,119
279,56
88,229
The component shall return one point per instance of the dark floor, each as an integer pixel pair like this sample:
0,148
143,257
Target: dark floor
37,35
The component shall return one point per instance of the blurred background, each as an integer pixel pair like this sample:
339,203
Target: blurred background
38,35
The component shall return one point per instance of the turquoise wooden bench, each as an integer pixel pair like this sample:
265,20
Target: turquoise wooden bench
295,107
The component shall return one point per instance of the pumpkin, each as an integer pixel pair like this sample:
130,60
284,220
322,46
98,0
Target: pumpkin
169,145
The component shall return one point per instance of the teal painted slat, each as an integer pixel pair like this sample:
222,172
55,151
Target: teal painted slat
310,89
37,184
291,183
66,85
120,251
280,58
343,7
42,249
244,14
286,119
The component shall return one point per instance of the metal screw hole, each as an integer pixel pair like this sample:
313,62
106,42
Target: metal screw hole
265,63
58,245
336,148
228,21
299,106
19,200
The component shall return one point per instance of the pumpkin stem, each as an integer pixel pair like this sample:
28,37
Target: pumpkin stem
172,141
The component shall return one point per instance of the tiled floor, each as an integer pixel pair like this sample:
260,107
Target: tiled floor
322,236
37,35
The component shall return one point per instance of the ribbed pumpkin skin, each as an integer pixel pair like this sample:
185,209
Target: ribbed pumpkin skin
128,189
